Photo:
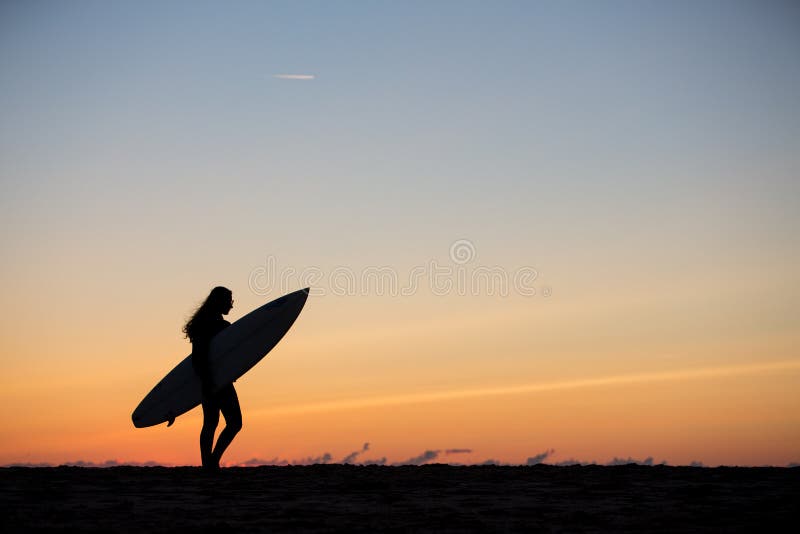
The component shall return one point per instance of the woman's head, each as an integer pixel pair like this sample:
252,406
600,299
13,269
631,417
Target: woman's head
218,302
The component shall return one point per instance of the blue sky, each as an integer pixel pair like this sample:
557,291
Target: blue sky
636,136
456,110
536,129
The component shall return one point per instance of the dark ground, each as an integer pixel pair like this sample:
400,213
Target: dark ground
433,498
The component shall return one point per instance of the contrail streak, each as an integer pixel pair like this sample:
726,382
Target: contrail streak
684,374
295,76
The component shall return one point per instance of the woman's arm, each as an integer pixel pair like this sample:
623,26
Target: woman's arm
201,364
200,356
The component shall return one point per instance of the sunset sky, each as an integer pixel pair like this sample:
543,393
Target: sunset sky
629,170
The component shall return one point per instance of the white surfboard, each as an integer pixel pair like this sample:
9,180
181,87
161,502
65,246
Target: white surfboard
233,352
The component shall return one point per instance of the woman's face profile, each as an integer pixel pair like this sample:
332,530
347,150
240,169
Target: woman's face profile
227,306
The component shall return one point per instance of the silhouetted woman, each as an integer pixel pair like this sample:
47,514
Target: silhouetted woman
207,322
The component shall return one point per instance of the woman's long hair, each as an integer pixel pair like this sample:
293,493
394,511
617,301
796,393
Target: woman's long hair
216,301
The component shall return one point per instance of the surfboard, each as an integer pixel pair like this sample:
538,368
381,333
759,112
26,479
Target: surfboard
233,352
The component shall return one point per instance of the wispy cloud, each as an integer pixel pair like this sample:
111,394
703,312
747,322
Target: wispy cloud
659,376
541,457
353,455
295,76
82,463
425,457
629,460
572,461
258,462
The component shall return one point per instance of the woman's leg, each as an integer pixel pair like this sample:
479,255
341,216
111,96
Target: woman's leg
210,422
229,404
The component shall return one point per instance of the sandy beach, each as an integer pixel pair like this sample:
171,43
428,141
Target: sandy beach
430,498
